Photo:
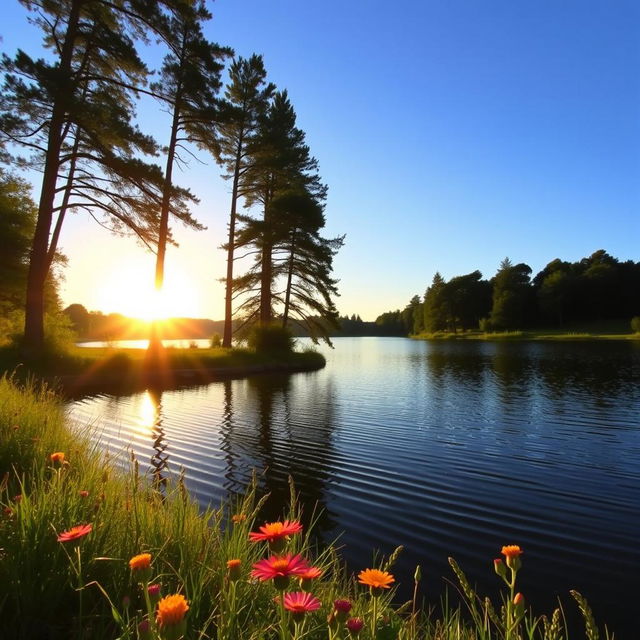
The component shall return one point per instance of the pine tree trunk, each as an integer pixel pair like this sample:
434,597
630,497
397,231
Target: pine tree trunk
228,311
38,261
287,299
155,339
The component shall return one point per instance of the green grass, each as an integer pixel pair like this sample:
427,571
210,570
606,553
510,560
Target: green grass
589,331
84,589
129,368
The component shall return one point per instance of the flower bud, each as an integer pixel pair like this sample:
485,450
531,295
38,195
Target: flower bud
342,608
518,603
154,593
354,625
234,569
500,568
144,630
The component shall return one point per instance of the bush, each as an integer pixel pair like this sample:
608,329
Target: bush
271,339
484,324
216,341
635,324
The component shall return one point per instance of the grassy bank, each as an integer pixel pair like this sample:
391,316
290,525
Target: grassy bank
82,367
590,331
82,539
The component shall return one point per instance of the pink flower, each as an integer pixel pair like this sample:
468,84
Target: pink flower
279,568
299,603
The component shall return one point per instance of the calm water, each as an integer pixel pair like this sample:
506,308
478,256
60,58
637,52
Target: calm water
446,448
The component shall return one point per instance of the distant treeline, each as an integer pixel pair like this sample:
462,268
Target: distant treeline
594,289
95,325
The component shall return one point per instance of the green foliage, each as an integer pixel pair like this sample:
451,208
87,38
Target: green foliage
271,339
635,324
511,286
216,341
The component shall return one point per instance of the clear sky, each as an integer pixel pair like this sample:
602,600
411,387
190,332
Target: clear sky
451,133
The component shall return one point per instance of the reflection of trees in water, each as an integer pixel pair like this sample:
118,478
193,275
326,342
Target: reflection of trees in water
160,458
290,435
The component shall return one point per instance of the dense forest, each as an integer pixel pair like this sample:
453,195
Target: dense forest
69,119
597,288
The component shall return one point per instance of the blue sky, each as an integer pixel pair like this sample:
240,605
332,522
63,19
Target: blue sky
451,134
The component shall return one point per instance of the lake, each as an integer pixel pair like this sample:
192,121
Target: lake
449,448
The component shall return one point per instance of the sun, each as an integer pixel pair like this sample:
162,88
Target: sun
128,289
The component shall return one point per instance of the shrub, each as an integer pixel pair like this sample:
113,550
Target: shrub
635,324
271,339
484,324
216,341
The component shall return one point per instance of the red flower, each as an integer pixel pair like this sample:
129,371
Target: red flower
83,493
344,606
300,602
75,532
279,568
355,626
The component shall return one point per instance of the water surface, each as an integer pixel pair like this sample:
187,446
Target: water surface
447,448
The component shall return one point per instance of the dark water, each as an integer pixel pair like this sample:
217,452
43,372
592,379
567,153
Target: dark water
447,448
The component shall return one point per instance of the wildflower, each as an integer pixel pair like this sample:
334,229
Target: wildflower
141,561
518,603
512,553
375,579
299,603
154,592
144,630
276,533
140,566
238,518
8,511
233,567
500,568
342,608
354,625
83,493
518,599
279,568
170,615
75,533
310,574
57,457
17,498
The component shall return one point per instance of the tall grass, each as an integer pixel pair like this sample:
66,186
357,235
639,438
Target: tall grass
84,588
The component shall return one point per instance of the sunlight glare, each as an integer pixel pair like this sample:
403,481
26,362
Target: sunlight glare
128,289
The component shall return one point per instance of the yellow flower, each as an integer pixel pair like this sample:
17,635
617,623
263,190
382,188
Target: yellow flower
172,610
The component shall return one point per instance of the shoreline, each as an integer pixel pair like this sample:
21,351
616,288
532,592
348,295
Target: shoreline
529,336
123,371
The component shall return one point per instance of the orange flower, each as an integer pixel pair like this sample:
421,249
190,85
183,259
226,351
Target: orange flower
375,578
311,573
171,610
58,457
141,561
83,493
238,518
75,532
511,551
275,533
233,564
